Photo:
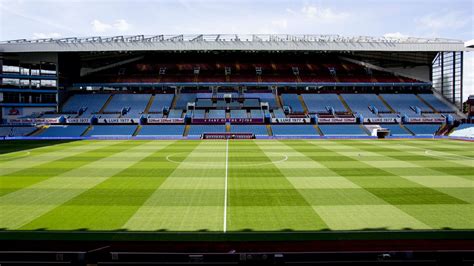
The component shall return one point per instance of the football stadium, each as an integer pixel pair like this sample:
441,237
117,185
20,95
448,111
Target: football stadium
235,149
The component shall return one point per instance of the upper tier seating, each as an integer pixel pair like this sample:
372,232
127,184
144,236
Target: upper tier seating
342,130
216,114
402,103
197,130
293,102
136,102
184,99
16,131
251,103
317,103
238,114
423,130
162,130
93,102
264,97
359,103
175,113
256,113
278,113
258,130
63,131
198,113
295,130
118,130
437,103
161,101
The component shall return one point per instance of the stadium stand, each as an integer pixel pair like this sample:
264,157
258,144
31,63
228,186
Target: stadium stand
278,113
258,130
161,130
364,103
464,130
436,103
16,131
216,114
184,99
256,113
175,113
161,101
136,104
239,113
63,131
405,103
264,97
293,102
423,130
396,130
342,130
295,130
93,103
318,103
112,130
197,130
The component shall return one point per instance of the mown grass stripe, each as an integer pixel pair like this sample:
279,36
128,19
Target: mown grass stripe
281,208
181,203
365,211
111,203
426,173
29,203
31,174
37,158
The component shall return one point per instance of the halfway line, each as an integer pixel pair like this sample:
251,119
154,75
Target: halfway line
225,183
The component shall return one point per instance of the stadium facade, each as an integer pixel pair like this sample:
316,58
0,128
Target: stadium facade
191,85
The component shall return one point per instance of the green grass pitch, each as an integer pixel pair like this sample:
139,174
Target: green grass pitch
237,186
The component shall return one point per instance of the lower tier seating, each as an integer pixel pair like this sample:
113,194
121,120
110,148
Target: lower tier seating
396,130
115,130
295,130
342,130
197,130
63,131
162,130
423,130
260,130
16,131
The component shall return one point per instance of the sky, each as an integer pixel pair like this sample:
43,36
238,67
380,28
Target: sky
452,19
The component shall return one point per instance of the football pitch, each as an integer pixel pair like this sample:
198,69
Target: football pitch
237,185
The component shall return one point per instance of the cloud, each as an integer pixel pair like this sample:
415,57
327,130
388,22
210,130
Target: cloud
442,21
280,23
42,35
120,25
321,13
396,35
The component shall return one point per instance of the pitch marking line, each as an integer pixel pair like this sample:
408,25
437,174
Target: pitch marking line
15,155
283,156
225,183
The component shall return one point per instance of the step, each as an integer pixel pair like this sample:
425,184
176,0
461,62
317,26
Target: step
386,104
137,130
427,104
101,111
344,103
150,102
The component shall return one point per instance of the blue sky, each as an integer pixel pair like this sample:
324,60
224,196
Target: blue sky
66,18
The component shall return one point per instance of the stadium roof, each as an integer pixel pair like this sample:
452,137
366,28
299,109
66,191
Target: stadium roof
265,42
470,44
